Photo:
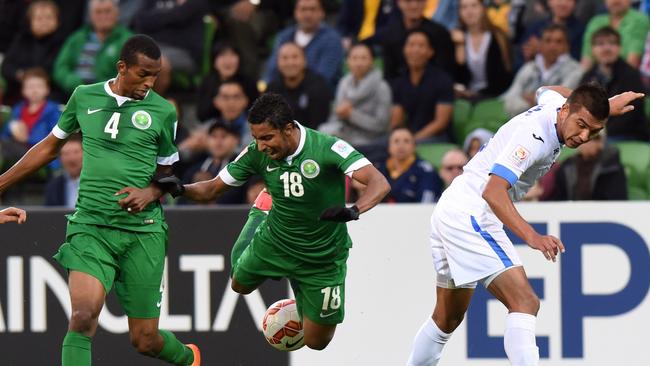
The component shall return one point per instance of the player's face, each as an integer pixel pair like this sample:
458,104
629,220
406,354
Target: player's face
578,127
138,78
273,142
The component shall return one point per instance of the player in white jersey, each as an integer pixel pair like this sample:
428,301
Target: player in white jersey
468,242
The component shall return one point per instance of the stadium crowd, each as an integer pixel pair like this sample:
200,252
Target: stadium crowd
418,86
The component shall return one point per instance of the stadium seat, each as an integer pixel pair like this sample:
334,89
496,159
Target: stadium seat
489,114
209,31
566,153
460,119
635,156
433,152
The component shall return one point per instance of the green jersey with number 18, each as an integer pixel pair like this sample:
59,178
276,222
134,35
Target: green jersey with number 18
302,185
123,141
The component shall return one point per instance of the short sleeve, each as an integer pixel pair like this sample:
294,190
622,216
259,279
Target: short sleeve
237,172
68,122
347,158
519,154
167,151
549,96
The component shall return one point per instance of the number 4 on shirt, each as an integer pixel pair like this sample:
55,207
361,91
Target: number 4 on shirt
111,125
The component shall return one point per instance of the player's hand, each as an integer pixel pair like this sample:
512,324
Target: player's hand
170,184
619,104
12,214
340,214
136,200
549,245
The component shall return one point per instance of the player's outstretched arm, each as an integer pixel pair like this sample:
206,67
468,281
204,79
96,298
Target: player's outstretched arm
12,214
38,156
496,195
620,104
205,191
376,189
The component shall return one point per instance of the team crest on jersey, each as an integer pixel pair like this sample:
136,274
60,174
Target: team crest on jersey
342,148
309,168
519,154
141,120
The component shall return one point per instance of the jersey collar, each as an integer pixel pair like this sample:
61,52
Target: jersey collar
301,144
118,98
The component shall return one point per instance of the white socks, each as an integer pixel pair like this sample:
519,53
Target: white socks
428,344
519,340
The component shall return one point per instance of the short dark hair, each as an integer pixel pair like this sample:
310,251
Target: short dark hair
421,30
593,97
365,45
271,108
229,128
139,44
555,27
606,31
37,72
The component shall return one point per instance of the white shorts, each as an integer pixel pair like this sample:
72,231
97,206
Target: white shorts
467,248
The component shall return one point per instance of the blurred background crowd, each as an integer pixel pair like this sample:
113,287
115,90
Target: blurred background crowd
416,85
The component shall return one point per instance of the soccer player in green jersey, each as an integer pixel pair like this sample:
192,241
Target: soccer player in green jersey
117,236
12,214
304,236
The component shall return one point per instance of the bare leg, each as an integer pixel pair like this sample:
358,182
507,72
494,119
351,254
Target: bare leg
87,297
317,336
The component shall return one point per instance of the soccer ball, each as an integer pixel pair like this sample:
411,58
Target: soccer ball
282,327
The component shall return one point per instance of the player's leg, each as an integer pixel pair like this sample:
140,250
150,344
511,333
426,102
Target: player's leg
256,217
317,336
514,291
139,289
91,265
87,299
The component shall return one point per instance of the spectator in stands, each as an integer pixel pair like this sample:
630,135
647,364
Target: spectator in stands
231,102
254,186
561,12
361,112
90,54
617,76
35,46
451,165
552,66
358,22
594,173
322,44
62,190
32,119
482,52
475,141
444,12
226,66
177,28
423,98
223,141
393,38
411,178
632,25
307,92
250,28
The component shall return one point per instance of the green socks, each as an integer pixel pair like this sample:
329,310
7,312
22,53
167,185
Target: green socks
174,351
75,350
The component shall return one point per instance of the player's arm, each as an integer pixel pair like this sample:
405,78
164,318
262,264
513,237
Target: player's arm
376,189
496,195
12,214
38,156
205,191
137,199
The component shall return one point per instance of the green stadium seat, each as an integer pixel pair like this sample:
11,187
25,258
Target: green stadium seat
433,152
209,31
566,153
635,156
636,194
460,119
489,114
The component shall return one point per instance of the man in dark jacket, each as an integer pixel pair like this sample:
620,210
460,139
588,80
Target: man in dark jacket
594,173
62,190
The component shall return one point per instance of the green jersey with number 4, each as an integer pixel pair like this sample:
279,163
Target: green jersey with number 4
302,186
123,141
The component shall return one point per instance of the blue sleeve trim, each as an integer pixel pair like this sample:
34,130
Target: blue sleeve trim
504,173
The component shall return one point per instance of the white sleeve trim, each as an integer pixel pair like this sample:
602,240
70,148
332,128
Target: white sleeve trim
356,166
59,133
225,176
167,160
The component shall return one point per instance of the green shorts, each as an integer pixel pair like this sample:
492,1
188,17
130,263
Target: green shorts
319,288
133,261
